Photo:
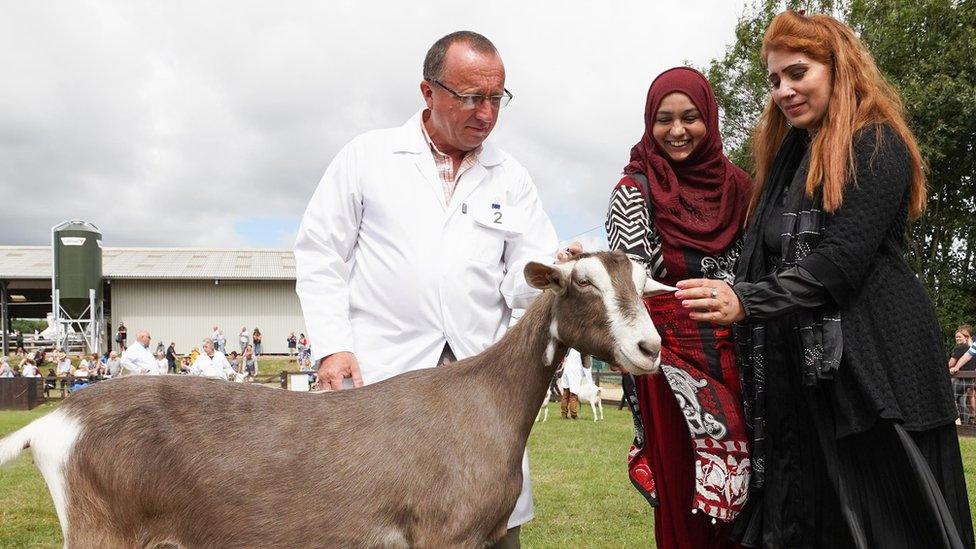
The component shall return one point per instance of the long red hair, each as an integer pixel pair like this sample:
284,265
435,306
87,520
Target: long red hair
860,96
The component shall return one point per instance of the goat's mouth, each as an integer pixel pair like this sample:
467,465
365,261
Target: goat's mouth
638,363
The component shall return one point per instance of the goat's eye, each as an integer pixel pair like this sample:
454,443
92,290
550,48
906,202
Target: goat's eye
582,282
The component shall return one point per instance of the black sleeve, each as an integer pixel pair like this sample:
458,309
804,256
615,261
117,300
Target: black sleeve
780,293
854,233
628,227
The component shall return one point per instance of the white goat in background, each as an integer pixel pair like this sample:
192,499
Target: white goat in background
590,393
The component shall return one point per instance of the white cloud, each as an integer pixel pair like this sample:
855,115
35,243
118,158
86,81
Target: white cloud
168,123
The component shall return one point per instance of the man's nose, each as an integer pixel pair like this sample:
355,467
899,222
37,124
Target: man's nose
485,112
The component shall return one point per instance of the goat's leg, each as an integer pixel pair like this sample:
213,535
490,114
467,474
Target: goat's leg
599,403
593,408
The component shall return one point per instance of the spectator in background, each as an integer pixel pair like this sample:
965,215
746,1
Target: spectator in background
185,365
19,342
292,343
28,368
256,339
40,356
570,383
234,361
211,363
5,369
121,334
194,353
221,342
63,365
250,363
302,349
171,357
160,349
962,389
161,361
137,359
113,366
83,369
244,339
89,365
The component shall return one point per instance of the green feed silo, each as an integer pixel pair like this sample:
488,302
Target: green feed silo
77,265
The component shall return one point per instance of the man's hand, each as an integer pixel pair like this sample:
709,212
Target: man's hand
336,367
568,252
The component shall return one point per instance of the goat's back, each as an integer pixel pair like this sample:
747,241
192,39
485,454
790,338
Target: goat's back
179,458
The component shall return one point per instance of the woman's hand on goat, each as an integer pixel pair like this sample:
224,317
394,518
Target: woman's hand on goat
710,301
336,367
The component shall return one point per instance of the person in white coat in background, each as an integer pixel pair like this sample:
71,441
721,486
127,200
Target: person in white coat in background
212,363
138,359
411,251
574,372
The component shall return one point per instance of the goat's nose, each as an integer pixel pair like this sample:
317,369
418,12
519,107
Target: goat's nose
649,349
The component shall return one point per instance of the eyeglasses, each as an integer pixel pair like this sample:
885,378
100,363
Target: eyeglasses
474,100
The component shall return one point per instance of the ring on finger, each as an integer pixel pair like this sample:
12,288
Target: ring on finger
714,293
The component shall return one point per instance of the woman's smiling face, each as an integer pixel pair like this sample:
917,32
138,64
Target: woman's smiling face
678,126
800,87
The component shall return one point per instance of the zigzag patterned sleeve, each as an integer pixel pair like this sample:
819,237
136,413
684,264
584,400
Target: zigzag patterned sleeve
629,230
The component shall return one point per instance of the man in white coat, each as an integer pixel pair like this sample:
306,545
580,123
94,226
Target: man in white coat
137,359
411,251
574,374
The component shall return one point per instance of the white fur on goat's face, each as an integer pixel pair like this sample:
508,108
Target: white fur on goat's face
599,309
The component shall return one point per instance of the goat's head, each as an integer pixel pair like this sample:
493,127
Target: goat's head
598,308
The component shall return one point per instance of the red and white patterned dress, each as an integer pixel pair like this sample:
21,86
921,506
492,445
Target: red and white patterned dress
690,458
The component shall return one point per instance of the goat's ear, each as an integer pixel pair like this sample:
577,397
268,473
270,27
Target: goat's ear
653,287
552,277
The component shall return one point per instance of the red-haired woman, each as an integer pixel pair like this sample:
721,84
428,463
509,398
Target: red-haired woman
846,389
679,210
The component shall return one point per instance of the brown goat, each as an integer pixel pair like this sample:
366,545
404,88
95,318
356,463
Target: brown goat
149,461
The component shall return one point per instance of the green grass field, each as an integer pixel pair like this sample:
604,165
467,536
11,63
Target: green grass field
582,495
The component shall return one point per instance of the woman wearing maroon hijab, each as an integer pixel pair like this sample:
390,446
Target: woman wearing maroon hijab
679,210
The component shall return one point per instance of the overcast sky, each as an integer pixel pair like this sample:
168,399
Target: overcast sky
210,123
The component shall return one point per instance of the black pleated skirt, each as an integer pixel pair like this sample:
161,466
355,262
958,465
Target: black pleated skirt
884,487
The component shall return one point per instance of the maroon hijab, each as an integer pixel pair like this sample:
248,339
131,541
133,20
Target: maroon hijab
699,202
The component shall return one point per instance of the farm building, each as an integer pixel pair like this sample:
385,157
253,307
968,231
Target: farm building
178,294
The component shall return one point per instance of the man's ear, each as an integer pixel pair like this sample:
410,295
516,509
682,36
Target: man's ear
653,287
552,277
427,93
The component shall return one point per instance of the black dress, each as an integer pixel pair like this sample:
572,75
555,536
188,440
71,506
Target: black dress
868,457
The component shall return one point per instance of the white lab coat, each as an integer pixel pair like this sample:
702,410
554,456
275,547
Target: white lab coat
135,358
216,366
573,372
389,271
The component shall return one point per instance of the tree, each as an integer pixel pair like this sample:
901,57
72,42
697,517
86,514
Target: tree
927,50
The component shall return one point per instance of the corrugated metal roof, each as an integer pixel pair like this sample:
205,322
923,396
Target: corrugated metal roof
19,262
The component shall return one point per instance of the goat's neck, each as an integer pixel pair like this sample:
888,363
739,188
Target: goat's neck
524,361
